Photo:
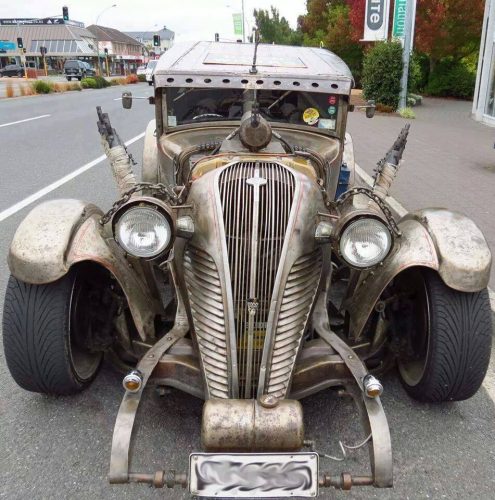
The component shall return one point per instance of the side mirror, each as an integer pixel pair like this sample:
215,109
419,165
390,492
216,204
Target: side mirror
127,100
370,109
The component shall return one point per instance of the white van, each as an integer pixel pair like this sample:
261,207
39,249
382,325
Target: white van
150,68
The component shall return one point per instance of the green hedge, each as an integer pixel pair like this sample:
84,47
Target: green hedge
382,72
95,82
42,87
451,79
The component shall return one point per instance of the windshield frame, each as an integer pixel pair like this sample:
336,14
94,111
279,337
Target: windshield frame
339,132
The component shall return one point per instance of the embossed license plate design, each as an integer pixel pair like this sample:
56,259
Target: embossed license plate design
253,475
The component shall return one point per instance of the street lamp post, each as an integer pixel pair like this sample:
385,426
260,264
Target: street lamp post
97,39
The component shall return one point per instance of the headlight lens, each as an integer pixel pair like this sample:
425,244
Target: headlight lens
365,242
143,232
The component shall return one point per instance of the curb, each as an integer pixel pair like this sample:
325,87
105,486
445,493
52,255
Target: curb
400,211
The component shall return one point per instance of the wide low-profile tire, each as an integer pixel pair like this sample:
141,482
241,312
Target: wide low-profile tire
43,335
450,344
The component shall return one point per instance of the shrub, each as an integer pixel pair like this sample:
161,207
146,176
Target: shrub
88,83
114,81
452,79
131,79
59,87
101,82
42,87
142,78
9,90
382,72
407,113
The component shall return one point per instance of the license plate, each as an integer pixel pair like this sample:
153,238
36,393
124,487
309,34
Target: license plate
253,475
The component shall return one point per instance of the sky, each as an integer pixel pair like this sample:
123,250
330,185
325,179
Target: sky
189,19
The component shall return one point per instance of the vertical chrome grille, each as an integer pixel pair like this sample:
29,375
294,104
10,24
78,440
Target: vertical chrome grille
256,200
205,298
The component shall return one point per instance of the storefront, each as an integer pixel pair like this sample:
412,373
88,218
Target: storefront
62,39
484,97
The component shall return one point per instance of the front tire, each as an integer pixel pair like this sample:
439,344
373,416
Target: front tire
44,330
449,348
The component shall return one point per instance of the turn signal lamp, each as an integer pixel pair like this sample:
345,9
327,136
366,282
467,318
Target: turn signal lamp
372,387
133,381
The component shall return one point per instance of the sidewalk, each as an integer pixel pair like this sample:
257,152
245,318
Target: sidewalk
449,160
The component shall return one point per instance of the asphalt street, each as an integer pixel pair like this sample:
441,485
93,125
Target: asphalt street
60,447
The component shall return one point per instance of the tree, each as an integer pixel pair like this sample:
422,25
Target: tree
328,23
275,29
449,28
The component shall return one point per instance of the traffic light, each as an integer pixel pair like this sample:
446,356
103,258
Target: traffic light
65,13
43,51
156,40
217,37
20,45
106,51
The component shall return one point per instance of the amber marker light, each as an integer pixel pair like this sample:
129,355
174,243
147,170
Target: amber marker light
133,381
372,386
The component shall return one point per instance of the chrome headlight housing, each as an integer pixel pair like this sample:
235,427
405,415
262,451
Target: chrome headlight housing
365,242
143,230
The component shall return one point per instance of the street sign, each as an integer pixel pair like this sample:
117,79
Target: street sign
376,20
400,9
238,28
7,46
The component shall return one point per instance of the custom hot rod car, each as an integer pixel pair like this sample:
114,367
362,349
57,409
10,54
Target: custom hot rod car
249,267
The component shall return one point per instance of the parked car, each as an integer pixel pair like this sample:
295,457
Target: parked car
141,70
12,70
247,267
150,68
74,68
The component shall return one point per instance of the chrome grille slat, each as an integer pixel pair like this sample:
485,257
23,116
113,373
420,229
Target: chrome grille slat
203,287
292,322
264,235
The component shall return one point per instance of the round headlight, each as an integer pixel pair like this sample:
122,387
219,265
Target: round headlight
365,242
143,232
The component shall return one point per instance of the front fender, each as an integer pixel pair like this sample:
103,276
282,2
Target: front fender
57,234
439,239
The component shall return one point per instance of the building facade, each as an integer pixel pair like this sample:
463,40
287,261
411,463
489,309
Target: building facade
63,40
484,97
146,38
123,53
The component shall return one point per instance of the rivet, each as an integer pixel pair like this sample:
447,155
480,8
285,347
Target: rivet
151,355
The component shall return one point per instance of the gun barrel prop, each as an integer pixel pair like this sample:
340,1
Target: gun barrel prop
388,167
120,160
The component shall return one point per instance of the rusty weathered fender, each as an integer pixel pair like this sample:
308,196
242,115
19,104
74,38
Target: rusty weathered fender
439,239
57,234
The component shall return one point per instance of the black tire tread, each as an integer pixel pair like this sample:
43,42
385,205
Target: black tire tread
460,343
35,336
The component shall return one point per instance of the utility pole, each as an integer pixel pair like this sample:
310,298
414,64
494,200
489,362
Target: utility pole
243,24
406,54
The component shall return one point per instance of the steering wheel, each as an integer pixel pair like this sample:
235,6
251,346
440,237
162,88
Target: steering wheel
207,115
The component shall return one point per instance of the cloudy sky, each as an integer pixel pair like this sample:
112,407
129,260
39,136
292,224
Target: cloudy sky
190,19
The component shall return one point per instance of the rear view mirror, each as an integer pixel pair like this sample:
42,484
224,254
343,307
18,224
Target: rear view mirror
370,109
127,100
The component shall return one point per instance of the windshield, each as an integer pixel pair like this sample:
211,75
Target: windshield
71,64
151,64
194,105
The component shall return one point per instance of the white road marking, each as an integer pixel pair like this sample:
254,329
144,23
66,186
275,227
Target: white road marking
51,187
401,211
22,121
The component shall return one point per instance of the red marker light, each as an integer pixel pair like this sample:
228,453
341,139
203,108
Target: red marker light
332,100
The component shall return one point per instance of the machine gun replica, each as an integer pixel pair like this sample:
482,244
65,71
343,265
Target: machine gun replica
388,167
